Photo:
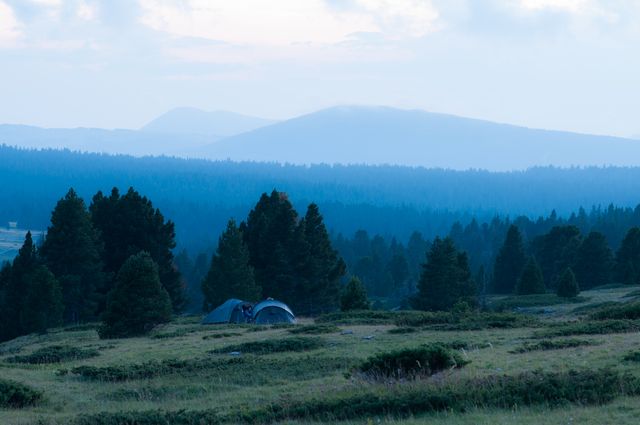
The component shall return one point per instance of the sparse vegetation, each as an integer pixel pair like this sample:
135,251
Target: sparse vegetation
552,344
268,346
14,395
54,354
314,329
601,327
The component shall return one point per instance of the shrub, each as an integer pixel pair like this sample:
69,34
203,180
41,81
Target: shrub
364,317
472,321
15,395
221,335
633,356
403,330
601,327
295,344
535,300
411,362
151,369
550,344
54,354
315,329
628,311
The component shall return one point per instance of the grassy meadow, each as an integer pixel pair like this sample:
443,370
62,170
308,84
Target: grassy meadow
308,373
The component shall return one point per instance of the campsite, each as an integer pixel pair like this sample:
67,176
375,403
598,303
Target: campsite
283,373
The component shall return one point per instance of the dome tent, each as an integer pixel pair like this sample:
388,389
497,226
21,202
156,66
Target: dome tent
229,312
271,311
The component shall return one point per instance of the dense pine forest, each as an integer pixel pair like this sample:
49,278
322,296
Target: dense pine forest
200,196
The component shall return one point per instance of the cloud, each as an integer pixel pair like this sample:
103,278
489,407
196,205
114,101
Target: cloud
258,22
10,27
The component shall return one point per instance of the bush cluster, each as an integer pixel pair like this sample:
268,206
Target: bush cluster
633,356
447,321
535,300
294,344
411,362
151,369
627,311
16,396
552,344
315,329
221,335
589,387
55,354
599,327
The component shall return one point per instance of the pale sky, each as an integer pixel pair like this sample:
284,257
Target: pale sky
558,64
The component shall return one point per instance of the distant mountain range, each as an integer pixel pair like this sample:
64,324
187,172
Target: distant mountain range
216,124
342,135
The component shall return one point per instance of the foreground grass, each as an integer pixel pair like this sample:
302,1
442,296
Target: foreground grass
187,367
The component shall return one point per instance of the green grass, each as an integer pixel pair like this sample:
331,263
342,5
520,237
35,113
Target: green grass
308,373
54,354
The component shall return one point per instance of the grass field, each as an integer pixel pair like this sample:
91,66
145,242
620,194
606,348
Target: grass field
187,367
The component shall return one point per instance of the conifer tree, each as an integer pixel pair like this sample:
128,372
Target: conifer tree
556,251
567,285
509,262
594,262
270,235
446,278
138,302
230,274
42,306
15,288
531,280
354,296
5,280
319,267
72,250
628,258
130,224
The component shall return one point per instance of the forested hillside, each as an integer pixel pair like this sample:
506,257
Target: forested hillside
200,196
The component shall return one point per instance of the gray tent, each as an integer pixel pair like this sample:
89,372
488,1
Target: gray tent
229,312
272,311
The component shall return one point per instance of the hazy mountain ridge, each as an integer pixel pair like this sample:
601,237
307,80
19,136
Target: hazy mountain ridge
382,135
218,124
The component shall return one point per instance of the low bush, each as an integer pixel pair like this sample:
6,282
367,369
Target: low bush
411,362
535,300
590,308
598,327
221,335
15,395
633,356
316,329
55,354
589,387
627,311
403,330
444,321
267,346
552,344
151,369
362,317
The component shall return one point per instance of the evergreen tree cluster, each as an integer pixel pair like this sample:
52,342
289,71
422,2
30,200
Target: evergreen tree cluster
70,278
275,253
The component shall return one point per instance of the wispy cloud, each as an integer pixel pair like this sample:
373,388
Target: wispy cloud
10,27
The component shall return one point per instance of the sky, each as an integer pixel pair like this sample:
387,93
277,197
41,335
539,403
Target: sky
557,64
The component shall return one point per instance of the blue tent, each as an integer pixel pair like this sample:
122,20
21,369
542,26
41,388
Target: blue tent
272,311
229,312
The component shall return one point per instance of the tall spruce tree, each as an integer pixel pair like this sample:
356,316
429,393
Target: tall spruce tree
15,288
319,267
5,281
138,302
509,262
130,224
557,250
628,258
594,262
446,278
270,233
72,250
531,280
230,274
42,306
